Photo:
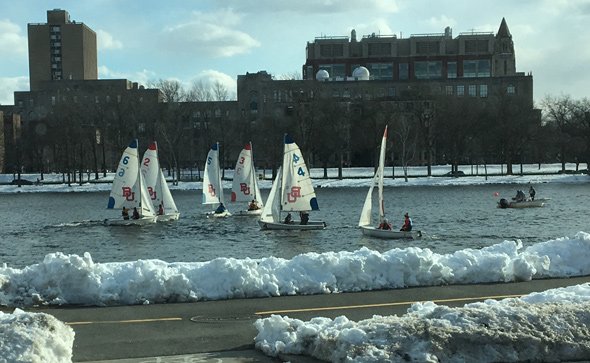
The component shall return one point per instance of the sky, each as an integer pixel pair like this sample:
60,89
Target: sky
217,40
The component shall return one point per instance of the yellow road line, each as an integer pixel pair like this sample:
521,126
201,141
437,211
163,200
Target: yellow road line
123,321
345,307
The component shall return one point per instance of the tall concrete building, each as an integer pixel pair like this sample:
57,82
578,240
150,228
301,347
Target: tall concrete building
61,49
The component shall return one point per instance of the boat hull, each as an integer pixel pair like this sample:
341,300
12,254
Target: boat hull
168,217
310,226
390,234
245,213
537,203
130,222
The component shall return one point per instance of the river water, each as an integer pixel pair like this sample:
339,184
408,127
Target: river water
451,218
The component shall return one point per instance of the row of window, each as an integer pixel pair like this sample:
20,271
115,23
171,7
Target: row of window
422,70
450,90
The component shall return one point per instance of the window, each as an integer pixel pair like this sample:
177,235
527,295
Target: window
53,100
334,70
391,92
108,99
511,89
472,90
118,98
379,49
452,70
217,113
428,70
427,47
476,68
96,100
380,70
403,71
483,90
449,90
331,50
460,90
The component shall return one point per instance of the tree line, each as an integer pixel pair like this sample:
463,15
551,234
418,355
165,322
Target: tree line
84,141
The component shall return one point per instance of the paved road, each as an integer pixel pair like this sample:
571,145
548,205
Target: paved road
223,331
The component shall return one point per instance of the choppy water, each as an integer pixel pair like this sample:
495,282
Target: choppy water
452,218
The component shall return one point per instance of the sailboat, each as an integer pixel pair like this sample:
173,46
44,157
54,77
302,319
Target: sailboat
212,187
157,187
129,190
365,219
245,184
292,191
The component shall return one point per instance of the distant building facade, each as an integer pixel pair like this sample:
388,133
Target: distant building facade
61,49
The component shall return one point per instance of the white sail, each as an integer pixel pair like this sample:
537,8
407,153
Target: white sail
297,193
155,181
245,183
212,187
365,219
128,189
272,209
167,200
380,172
125,187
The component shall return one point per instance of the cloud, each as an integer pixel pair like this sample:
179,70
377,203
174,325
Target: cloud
209,34
441,22
9,85
377,26
142,77
210,76
312,7
11,39
106,41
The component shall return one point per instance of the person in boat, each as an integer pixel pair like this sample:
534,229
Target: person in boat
125,213
520,197
407,223
253,205
304,217
161,209
532,192
384,225
135,213
288,219
220,209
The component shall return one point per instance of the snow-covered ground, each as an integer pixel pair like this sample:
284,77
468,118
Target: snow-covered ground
547,326
352,177
34,337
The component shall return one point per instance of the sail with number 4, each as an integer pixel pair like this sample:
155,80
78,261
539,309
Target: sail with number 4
157,186
292,191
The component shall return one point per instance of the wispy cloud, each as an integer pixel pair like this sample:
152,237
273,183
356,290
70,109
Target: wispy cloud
106,41
12,41
209,34
311,7
143,76
9,85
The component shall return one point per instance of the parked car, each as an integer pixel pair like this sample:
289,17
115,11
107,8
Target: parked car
456,174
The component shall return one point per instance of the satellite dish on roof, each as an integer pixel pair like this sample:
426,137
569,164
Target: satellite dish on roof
361,73
322,75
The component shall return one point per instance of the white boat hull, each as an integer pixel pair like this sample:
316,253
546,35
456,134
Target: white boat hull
168,217
390,234
243,213
310,226
130,222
